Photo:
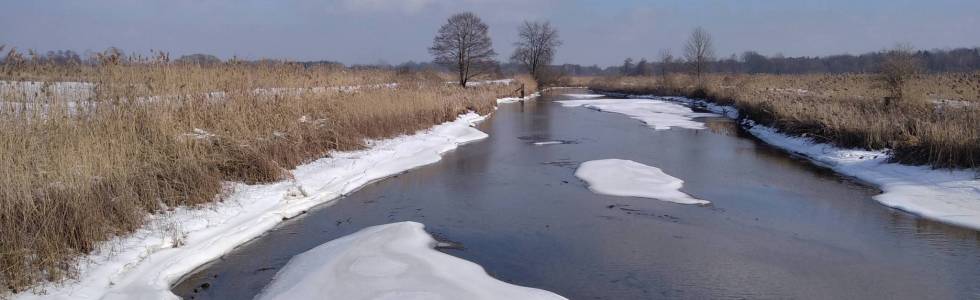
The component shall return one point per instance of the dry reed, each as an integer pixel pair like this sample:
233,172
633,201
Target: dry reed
937,125
76,170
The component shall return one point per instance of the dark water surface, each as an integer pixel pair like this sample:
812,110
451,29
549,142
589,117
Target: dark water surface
778,227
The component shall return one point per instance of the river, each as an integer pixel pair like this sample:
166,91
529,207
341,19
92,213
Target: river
778,226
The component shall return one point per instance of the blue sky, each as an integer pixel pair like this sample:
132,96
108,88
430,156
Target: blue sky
394,31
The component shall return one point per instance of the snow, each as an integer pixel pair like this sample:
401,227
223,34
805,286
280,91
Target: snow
942,195
948,196
627,178
392,261
487,82
951,103
659,114
518,99
31,91
143,265
199,134
318,90
27,91
545,143
797,91
584,96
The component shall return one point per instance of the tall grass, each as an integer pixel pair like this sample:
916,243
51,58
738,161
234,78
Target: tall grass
75,172
937,126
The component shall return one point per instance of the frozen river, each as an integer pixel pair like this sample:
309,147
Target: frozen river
776,226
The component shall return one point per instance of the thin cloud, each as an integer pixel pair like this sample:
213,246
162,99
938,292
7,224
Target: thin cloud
371,6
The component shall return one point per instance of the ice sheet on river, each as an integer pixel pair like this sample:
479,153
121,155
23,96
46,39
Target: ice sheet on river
392,261
658,114
619,177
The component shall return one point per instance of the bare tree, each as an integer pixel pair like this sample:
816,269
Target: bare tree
536,47
666,62
627,66
699,52
897,67
463,44
642,68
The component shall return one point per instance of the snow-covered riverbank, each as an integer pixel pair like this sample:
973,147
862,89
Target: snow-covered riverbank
660,115
143,265
947,196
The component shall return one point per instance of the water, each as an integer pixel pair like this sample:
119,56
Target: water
778,227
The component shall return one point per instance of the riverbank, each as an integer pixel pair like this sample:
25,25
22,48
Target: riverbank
935,127
942,195
513,204
144,264
93,155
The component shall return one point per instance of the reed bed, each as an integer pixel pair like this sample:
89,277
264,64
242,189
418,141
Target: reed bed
936,125
76,171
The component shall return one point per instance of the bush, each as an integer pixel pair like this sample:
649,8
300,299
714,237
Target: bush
897,68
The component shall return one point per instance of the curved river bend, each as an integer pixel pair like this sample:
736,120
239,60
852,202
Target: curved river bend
778,227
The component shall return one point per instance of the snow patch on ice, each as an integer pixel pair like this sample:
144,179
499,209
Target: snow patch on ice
545,143
396,261
659,114
627,178
144,264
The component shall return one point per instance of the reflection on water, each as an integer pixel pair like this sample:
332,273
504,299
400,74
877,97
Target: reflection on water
779,227
721,126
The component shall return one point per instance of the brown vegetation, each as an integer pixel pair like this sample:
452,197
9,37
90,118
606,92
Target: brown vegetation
896,70
937,124
78,171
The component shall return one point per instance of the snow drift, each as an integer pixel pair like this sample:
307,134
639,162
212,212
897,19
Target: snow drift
392,261
660,115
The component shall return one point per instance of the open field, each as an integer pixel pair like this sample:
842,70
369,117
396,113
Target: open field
81,167
936,125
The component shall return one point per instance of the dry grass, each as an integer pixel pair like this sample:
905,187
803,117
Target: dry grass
530,85
937,124
76,172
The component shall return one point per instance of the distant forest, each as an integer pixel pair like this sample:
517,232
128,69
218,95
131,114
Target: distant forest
750,62
933,61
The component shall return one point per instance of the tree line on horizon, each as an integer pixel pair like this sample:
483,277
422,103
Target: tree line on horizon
530,33
751,62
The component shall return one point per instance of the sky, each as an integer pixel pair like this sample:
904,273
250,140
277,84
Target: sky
396,31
